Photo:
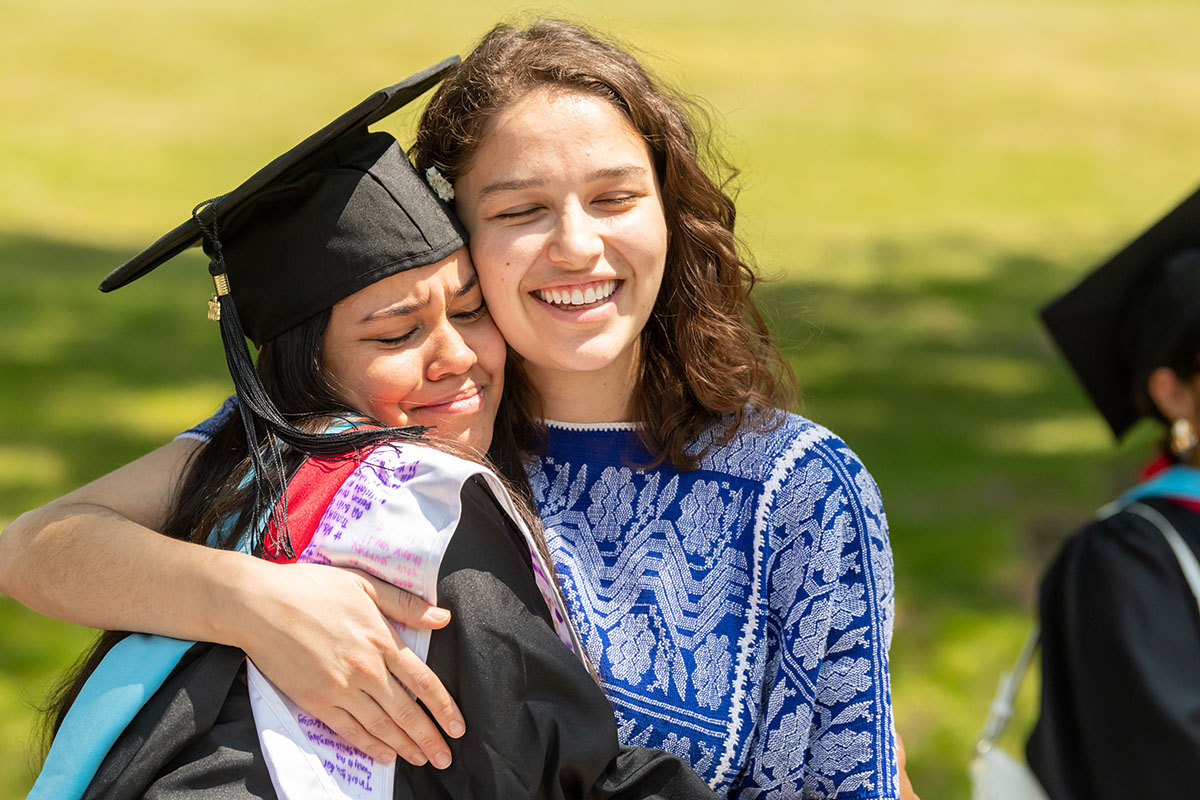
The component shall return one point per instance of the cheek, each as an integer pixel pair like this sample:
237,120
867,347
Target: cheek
485,340
377,385
486,255
500,281
338,371
654,237
388,379
503,256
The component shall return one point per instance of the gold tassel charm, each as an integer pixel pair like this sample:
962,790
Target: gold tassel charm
221,282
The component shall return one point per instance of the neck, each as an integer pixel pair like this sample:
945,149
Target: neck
586,397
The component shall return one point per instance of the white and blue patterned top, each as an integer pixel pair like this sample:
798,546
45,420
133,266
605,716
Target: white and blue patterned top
739,614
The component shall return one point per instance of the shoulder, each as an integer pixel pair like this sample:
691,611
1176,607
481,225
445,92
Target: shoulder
1119,567
410,475
417,466
1112,551
785,451
205,430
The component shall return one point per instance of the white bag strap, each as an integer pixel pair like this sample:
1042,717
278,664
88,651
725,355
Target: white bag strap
1183,553
1001,710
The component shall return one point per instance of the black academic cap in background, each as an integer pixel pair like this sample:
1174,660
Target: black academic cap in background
337,212
1125,317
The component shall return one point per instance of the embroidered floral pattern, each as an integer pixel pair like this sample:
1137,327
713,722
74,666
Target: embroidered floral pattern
712,671
741,612
612,503
629,648
700,518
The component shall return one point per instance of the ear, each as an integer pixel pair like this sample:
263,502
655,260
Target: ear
1175,398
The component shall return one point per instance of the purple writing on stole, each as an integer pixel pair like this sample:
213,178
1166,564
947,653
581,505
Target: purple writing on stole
343,539
349,764
369,551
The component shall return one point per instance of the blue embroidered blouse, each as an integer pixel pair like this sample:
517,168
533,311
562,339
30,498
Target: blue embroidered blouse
740,614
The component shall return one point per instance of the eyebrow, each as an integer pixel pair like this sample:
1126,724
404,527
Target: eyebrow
404,309
516,184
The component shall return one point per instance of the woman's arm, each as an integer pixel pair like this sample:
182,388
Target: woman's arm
92,557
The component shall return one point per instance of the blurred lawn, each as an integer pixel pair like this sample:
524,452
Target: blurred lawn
919,176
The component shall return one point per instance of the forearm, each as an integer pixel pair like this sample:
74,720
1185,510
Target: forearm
87,564
93,557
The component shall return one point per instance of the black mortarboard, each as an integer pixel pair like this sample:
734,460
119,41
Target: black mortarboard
336,213
1128,316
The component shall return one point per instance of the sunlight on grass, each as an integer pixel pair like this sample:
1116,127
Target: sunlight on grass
1079,435
148,413
998,376
31,465
967,654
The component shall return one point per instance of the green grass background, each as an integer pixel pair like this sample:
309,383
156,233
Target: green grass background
918,176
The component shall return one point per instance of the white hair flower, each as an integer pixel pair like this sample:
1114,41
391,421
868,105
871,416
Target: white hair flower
441,187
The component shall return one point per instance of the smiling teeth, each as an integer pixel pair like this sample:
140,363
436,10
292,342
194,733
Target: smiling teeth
577,297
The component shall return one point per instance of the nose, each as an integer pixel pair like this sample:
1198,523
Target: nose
448,353
575,241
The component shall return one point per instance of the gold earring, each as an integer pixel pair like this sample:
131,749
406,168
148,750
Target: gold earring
1183,438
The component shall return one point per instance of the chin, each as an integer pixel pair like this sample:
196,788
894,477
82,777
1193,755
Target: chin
477,437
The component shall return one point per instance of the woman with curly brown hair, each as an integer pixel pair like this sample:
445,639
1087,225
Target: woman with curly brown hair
726,562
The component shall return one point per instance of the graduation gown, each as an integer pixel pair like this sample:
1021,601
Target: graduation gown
1120,707
537,723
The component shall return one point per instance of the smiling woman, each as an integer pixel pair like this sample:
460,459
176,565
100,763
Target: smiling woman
563,194
727,563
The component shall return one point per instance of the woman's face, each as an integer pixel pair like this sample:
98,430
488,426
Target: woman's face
568,234
418,348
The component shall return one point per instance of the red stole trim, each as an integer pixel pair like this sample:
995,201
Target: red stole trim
307,496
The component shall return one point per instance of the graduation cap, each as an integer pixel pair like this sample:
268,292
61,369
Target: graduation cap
1129,315
336,213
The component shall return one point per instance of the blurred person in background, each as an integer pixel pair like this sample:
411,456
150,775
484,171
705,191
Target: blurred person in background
1120,625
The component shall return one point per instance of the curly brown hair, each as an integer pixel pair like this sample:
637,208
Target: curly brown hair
707,355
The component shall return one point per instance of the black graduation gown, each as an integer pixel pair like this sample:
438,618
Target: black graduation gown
537,724
1120,707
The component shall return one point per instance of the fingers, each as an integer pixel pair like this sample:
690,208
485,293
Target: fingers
404,606
387,720
421,682
383,711
347,726
396,716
